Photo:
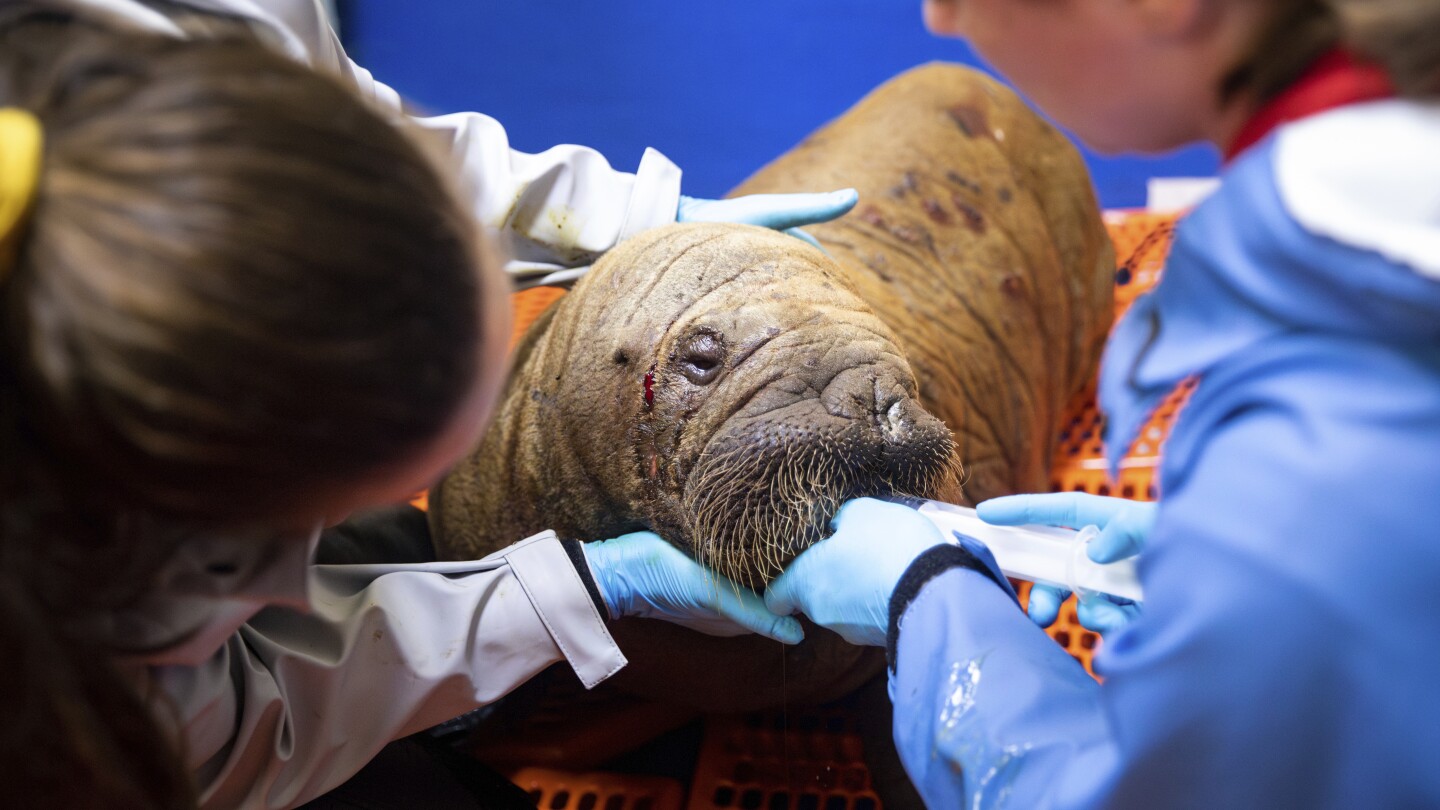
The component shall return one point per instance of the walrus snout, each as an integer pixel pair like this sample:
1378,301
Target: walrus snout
768,484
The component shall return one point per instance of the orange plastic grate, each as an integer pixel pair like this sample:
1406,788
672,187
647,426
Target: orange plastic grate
765,761
559,790
1142,241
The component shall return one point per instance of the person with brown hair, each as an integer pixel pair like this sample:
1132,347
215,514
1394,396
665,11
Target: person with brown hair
238,302
1285,655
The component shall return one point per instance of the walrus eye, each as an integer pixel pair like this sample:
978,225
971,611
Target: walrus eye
701,358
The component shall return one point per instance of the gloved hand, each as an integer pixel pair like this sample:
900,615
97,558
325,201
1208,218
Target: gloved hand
1124,527
782,212
639,574
845,581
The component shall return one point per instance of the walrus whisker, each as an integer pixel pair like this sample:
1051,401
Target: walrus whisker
752,508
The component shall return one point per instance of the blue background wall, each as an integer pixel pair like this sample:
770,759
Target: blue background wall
720,86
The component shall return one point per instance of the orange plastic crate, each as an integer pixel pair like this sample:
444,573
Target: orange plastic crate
1142,241
559,790
797,762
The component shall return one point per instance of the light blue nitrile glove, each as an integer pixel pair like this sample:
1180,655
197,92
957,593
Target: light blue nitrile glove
1124,527
844,582
782,212
640,574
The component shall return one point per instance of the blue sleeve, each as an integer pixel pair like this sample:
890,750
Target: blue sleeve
987,707
1287,654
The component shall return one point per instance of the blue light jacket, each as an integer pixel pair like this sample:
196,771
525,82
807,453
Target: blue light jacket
1289,651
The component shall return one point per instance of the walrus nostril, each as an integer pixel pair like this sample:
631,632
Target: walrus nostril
889,410
894,423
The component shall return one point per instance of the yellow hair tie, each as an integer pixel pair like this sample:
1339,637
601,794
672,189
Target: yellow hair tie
21,148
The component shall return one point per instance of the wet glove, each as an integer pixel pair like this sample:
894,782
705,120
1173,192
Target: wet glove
782,212
845,581
640,574
1124,527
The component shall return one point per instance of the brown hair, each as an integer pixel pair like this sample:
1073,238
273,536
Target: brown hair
1402,36
240,288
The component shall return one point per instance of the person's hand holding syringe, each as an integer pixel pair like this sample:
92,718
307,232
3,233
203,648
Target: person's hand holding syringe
1097,561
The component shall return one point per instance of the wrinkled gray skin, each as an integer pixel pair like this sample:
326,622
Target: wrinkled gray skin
776,396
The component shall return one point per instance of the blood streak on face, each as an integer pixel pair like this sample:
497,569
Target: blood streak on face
650,388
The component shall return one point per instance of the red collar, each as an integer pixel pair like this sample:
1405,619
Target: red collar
1334,80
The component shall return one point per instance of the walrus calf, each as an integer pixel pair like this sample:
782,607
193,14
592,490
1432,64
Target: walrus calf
729,387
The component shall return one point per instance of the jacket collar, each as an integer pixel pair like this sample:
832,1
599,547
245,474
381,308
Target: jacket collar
1335,79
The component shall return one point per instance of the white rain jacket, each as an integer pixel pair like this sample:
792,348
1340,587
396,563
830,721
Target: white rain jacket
283,679
553,213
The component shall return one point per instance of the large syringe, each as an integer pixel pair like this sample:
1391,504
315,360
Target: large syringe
1036,553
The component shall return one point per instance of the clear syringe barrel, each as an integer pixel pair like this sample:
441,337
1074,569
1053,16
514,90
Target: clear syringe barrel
1035,553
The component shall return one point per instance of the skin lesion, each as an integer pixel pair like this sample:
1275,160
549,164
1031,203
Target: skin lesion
971,120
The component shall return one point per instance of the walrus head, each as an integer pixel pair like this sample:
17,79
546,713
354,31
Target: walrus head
724,386
765,395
